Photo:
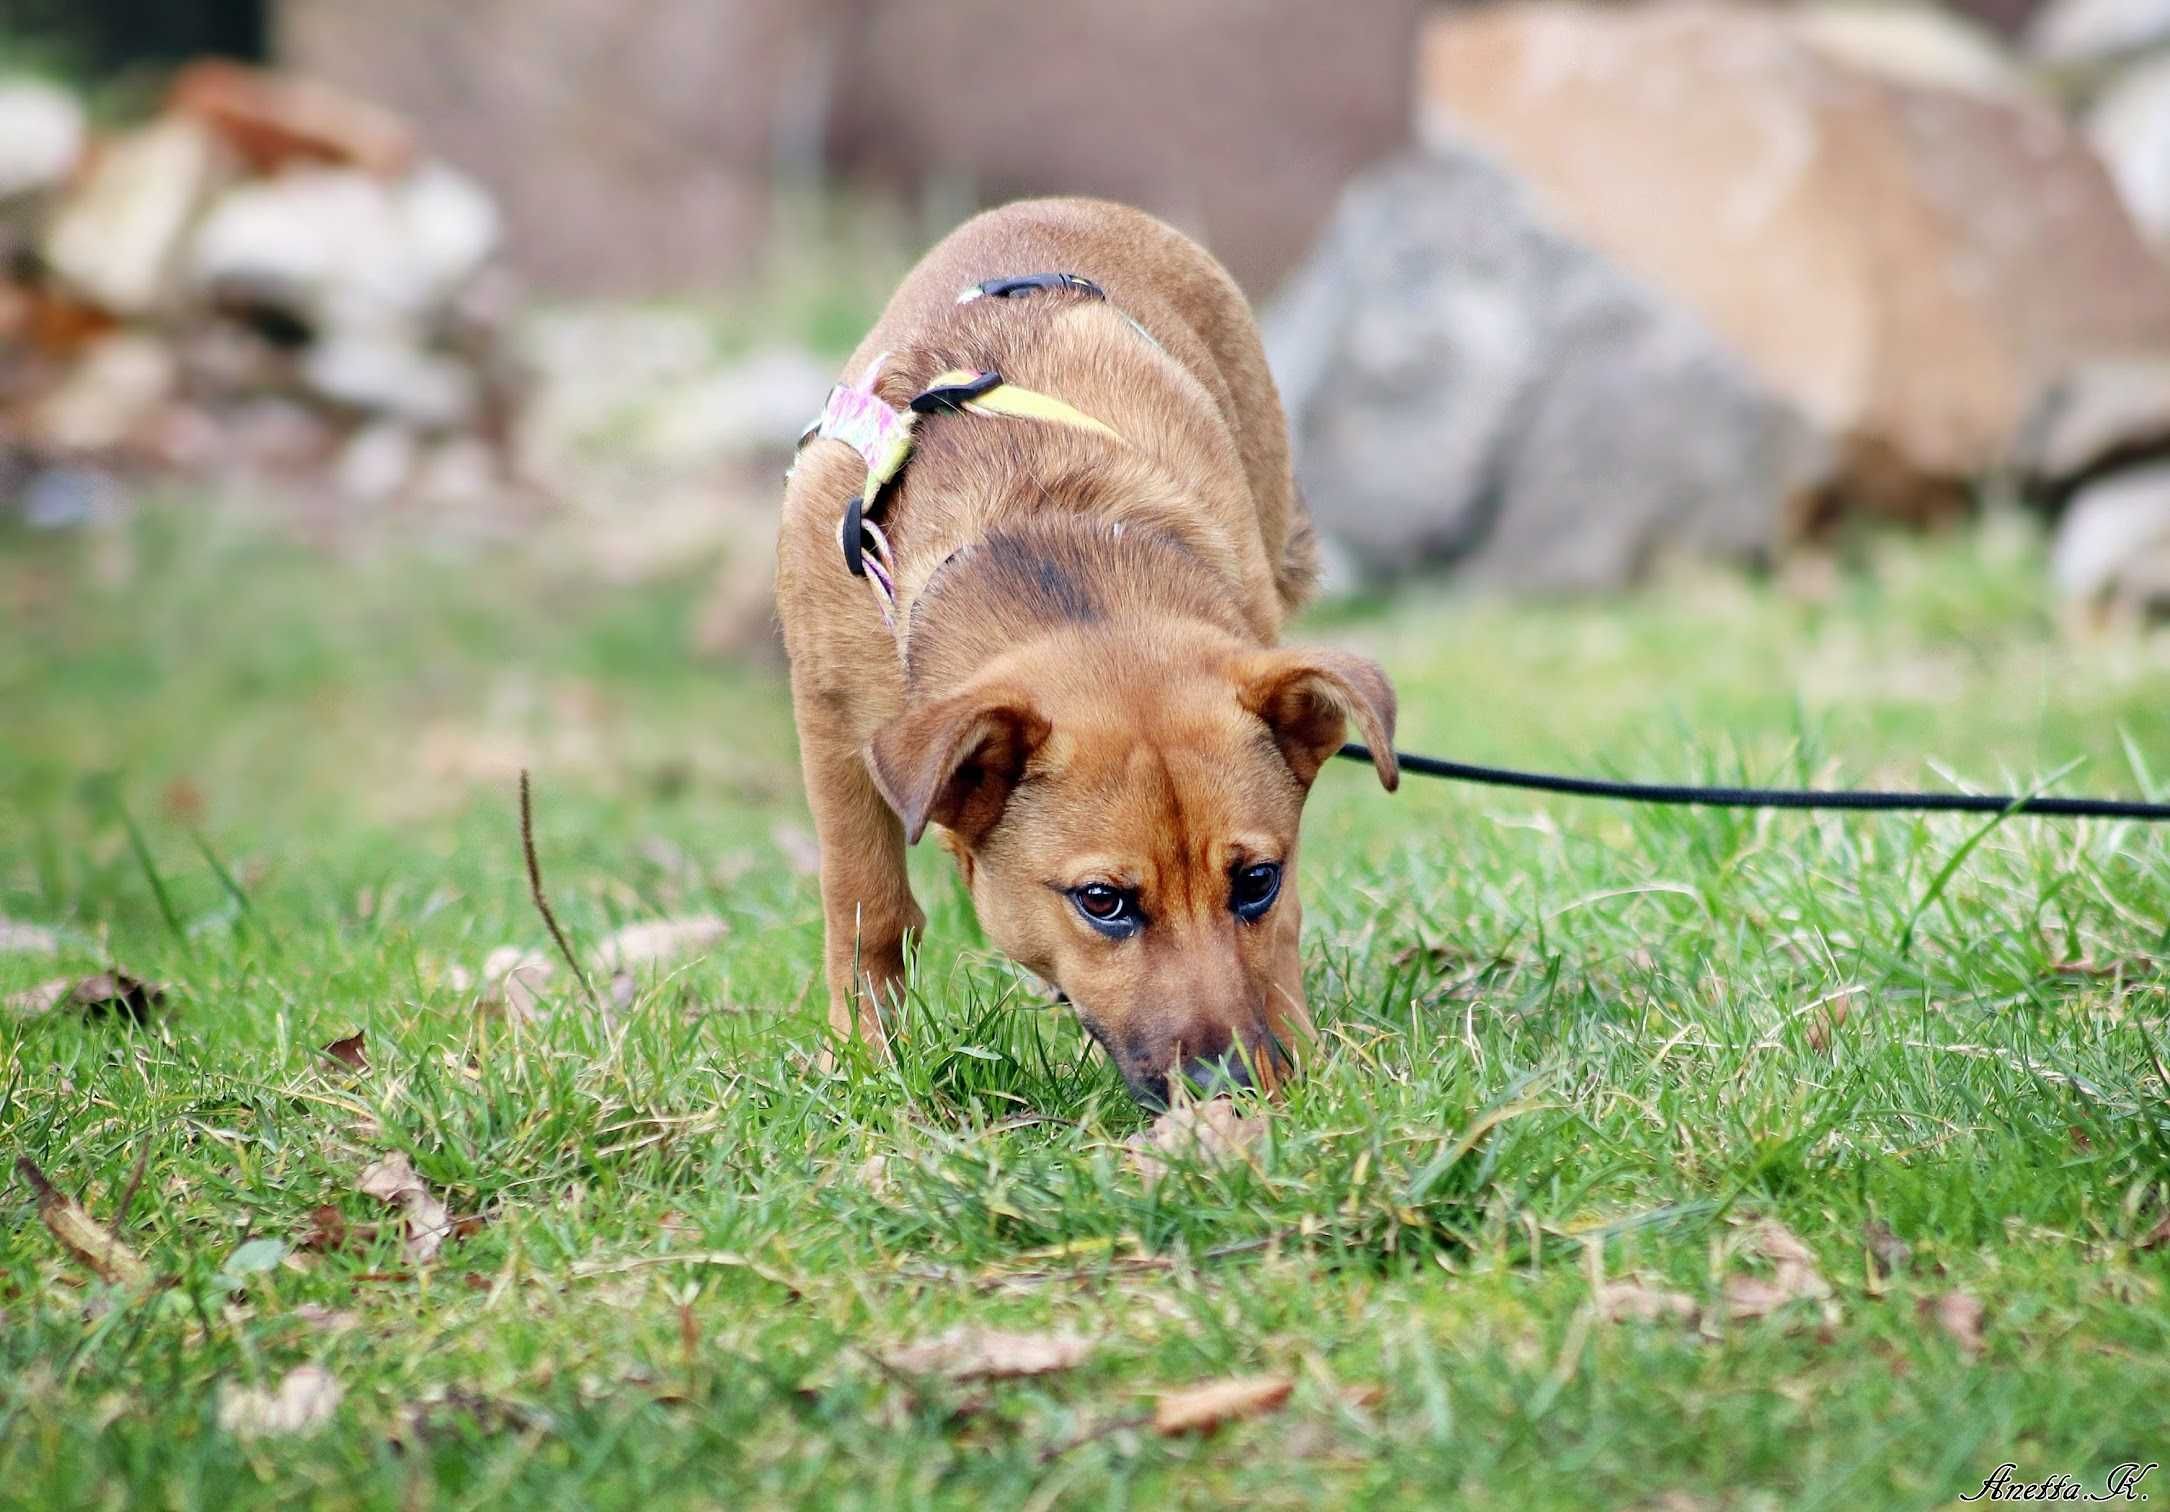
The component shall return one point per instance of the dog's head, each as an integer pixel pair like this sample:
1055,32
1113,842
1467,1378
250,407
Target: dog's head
1126,817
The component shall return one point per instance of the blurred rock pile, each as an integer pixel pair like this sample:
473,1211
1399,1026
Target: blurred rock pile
268,279
1703,277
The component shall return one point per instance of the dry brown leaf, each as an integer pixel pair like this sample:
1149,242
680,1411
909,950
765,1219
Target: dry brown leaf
1959,1314
1827,1019
1628,1300
1888,1253
90,1242
660,942
1206,1133
1794,1277
966,1353
33,1002
18,938
512,982
306,1398
394,1180
349,1052
102,993
1201,1409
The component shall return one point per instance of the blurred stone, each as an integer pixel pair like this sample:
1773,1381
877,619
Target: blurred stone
2098,416
116,240
2113,545
757,406
1467,384
1912,44
41,137
376,462
2129,125
273,120
337,249
1909,266
460,473
2085,31
389,375
64,498
109,394
631,152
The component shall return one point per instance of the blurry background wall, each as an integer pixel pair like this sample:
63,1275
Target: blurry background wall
635,146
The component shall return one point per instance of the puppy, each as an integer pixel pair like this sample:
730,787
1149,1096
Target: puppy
1034,561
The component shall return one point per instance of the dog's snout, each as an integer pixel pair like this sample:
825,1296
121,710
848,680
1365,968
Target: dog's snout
1209,1074
1209,1057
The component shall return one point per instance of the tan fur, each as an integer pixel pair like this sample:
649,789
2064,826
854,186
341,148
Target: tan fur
1082,685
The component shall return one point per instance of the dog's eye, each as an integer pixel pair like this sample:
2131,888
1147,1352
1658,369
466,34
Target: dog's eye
1252,889
1111,910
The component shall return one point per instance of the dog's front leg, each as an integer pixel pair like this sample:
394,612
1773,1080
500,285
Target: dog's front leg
866,897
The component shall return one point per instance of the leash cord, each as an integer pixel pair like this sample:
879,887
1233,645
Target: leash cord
1775,798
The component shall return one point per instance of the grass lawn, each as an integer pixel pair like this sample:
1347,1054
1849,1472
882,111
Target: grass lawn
1583,1063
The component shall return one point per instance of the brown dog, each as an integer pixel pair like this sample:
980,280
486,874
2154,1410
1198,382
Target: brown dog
1054,639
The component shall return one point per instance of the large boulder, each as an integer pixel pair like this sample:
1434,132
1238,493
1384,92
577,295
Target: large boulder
1468,384
2129,124
1910,265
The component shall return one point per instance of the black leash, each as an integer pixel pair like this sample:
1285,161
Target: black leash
1776,798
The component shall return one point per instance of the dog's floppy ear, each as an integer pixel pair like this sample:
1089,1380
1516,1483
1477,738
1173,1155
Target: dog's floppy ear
954,762
1308,698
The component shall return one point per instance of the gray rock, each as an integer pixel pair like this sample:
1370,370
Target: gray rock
2098,415
2129,125
2086,31
1467,384
2113,544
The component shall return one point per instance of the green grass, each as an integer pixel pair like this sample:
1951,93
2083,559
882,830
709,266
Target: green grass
688,1273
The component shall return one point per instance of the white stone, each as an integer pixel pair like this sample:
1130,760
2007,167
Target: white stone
41,136
116,240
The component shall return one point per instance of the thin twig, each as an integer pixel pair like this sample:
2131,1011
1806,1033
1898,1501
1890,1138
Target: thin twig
535,890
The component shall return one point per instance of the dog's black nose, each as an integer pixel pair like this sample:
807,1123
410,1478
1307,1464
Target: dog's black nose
1211,1074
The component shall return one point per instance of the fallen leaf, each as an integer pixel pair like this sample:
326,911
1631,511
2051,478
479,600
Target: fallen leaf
1888,1253
455,1412
1629,1300
966,1353
31,1002
1204,1133
349,1051
17,938
659,942
92,996
306,1398
512,982
394,1180
1201,1409
1794,1277
1959,1314
2158,1236
1827,1019
90,1242
330,1320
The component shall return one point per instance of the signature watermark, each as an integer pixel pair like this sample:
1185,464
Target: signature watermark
2004,1485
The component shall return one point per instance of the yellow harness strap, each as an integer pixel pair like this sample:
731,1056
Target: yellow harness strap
1008,399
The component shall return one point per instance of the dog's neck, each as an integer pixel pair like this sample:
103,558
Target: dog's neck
1050,574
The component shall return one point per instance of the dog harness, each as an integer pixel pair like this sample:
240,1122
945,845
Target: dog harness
882,434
